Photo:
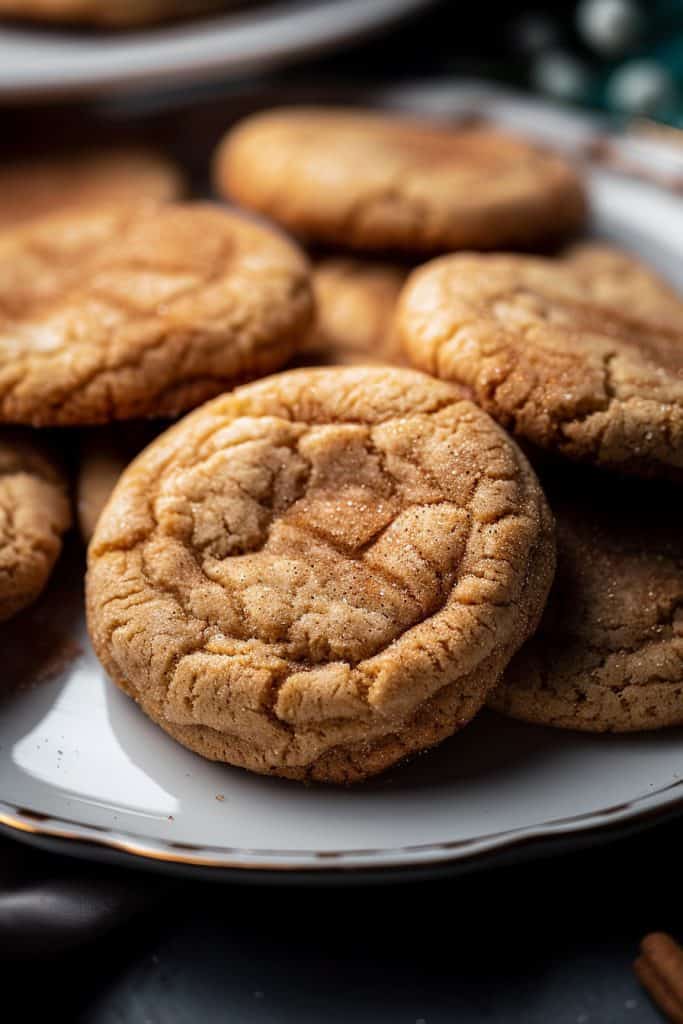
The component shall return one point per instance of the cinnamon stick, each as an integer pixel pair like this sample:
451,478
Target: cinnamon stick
659,969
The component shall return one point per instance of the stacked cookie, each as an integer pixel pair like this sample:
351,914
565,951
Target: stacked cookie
370,185
39,278
323,571
577,356
341,562
580,357
119,301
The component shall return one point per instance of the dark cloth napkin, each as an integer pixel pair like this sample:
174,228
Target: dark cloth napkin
50,904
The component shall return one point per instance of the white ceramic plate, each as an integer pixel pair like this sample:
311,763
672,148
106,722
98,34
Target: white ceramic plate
38,62
80,762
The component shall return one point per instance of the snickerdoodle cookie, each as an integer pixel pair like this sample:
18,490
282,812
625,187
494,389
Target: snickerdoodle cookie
376,181
105,13
134,311
608,655
356,301
581,355
34,514
104,454
44,185
320,573
620,279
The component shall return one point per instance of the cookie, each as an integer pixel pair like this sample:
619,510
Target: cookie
105,452
34,514
320,573
110,14
608,655
581,359
37,187
619,279
374,181
355,301
131,311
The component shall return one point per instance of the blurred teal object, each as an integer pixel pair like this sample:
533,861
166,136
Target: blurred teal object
622,56
644,87
610,27
561,75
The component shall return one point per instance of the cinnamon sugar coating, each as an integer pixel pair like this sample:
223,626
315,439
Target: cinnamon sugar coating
581,355
368,180
44,185
134,311
320,573
608,655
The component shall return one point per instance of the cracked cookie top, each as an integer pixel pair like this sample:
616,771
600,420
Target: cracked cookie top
134,311
40,186
374,181
581,355
34,513
312,558
608,655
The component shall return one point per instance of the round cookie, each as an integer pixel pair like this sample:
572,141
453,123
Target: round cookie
355,302
375,181
580,358
105,453
320,573
34,513
107,14
133,311
608,655
44,185
619,279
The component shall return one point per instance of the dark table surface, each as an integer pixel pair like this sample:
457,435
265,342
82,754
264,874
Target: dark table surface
546,942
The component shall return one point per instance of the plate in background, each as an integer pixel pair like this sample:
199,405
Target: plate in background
37,62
